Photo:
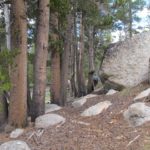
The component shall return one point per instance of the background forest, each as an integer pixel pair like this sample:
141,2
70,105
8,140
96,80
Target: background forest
58,44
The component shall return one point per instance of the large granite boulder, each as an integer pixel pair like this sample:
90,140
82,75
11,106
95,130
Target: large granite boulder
126,63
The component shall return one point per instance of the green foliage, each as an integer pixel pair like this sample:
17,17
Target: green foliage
103,41
89,10
121,8
1,108
30,73
2,33
60,6
48,75
31,55
32,9
87,7
6,61
57,45
105,22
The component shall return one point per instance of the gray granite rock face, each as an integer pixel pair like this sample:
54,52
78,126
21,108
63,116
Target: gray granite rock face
127,62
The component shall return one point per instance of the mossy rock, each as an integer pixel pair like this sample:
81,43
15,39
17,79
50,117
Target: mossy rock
104,77
125,91
147,146
112,85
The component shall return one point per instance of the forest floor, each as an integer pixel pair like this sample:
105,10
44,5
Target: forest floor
107,131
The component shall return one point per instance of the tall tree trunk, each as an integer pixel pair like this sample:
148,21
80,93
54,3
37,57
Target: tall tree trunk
7,25
55,61
65,61
80,57
18,93
41,52
90,86
73,58
130,18
8,45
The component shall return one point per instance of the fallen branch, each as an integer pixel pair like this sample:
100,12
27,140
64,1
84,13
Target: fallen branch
36,136
133,140
31,136
39,132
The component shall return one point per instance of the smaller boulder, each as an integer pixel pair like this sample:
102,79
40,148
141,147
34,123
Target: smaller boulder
143,94
16,133
137,114
48,120
80,102
14,145
111,92
96,109
52,107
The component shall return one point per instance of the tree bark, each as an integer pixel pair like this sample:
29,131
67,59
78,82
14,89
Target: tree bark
18,92
80,57
41,52
65,61
74,87
55,61
90,86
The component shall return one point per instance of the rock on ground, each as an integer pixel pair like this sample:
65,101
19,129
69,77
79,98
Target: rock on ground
79,102
82,100
14,145
16,133
52,107
111,92
48,120
127,62
96,109
137,114
143,94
